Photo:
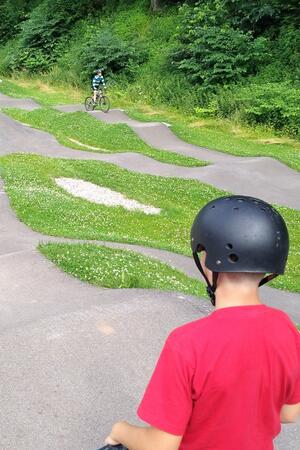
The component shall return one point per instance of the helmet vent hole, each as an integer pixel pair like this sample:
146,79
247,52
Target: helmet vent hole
229,246
233,257
263,209
236,208
240,200
213,206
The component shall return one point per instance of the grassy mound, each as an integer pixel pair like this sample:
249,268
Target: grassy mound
113,268
84,132
42,205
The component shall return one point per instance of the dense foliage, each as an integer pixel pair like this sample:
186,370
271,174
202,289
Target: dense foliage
214,55
271,104
227,57
44,35
113,54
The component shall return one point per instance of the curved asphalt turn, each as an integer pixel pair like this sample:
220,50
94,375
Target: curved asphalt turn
64,366
261,177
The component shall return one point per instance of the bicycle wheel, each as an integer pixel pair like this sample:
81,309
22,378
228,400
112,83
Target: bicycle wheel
104,104
89,104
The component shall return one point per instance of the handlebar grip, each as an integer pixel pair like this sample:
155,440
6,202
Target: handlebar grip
113,447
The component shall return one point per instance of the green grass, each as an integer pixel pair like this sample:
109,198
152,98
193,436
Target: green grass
221,135
84,132
113,268
41,91
42,205
225,136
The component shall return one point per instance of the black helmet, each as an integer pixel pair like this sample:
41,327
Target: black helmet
240,234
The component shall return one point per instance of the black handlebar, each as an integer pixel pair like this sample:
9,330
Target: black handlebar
113,447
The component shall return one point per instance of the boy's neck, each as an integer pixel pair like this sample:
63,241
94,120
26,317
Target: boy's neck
239,296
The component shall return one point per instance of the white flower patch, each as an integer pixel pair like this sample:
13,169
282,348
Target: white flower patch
101,195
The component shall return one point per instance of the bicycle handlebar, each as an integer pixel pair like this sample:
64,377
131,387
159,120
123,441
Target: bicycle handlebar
113,447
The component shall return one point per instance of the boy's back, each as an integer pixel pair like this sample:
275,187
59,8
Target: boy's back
229,376
225,382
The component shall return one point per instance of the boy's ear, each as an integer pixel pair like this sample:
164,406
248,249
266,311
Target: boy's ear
207,272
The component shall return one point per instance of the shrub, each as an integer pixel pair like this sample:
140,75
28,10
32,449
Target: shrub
11,14
287,52
220,56
212,52
271,104
44,36
115,55
6,54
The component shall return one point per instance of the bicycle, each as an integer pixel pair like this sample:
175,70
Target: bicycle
101,100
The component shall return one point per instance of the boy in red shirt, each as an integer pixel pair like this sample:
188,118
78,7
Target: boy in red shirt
226,382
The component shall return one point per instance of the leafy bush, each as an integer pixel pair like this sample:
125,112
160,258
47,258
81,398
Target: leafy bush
6,54
11,15
44,36
115,55
263,15
287,52
271,104
212,52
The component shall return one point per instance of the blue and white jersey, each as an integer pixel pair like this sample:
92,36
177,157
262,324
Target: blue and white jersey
97,80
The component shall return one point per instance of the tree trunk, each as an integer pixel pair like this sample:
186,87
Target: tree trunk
154,5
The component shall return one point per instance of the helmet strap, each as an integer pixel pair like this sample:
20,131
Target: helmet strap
211,288
268,278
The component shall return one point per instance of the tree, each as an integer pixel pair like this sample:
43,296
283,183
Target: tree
155,5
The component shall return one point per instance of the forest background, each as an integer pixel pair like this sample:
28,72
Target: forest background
234,59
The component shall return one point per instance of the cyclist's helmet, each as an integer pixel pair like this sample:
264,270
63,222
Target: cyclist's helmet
240,234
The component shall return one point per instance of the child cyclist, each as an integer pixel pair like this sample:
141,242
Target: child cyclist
98,82
227,381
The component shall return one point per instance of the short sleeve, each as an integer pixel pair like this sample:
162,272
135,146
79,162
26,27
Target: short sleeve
167,401
294,398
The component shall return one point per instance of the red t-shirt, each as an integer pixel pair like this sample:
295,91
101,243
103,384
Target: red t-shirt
221,381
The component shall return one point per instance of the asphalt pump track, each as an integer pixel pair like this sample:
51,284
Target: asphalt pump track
76,357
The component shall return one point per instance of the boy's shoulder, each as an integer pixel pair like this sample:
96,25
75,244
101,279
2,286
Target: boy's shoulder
206,327
203,337
188,331
280,316
184,339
